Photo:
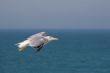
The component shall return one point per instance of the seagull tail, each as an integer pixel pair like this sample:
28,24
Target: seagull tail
22,45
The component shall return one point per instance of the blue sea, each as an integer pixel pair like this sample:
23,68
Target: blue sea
76,51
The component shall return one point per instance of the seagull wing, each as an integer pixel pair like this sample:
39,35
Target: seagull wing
36,42
41,34
39,43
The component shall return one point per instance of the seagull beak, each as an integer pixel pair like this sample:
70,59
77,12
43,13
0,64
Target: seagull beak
55,38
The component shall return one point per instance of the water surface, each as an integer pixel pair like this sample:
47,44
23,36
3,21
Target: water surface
76,51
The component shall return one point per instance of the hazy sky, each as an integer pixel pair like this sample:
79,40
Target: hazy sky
54,14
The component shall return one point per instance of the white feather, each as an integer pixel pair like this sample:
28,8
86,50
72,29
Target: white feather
23,45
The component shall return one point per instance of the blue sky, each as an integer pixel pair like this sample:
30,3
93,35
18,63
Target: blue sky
55,14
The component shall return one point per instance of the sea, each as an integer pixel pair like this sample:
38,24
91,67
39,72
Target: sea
76,51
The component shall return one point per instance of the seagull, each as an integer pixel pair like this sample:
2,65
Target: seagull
36,41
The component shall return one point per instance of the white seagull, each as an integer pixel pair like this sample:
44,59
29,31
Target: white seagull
36,41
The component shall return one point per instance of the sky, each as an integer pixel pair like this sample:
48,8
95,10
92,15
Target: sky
54,14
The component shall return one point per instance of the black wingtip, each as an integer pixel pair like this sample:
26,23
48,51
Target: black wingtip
39,49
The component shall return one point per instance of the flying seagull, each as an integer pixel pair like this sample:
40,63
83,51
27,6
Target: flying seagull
36,41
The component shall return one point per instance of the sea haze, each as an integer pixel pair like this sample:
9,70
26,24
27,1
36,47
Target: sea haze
76,51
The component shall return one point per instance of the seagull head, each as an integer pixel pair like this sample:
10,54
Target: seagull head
50,38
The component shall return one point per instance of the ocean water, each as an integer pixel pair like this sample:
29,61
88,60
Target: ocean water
76,51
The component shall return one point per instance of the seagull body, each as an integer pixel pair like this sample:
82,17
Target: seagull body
36,41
